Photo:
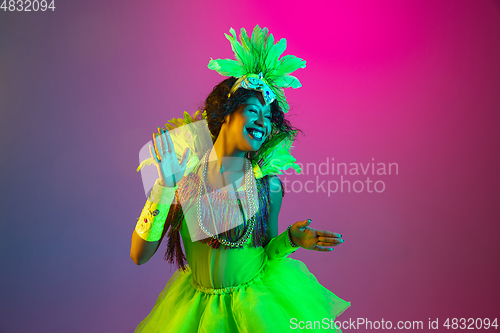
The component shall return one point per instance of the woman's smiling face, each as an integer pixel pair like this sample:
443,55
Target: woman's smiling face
250,124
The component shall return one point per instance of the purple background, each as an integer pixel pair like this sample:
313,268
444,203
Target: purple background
409,82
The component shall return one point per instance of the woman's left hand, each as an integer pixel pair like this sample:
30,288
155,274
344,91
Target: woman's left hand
312,239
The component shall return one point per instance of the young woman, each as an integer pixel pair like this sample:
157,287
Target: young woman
224,204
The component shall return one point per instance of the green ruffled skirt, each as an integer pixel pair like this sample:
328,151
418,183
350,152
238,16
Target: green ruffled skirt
284,296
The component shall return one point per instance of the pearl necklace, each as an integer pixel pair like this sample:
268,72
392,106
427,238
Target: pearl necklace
250,196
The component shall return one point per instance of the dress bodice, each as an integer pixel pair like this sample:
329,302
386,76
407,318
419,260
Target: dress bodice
219,268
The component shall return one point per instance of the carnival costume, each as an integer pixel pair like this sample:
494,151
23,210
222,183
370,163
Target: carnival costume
232,282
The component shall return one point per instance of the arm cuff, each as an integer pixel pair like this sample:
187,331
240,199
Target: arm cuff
162,194
280,247
154,214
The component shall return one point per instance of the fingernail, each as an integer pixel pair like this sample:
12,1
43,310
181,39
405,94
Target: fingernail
309,220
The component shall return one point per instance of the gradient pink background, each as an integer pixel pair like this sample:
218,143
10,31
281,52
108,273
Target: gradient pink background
408,82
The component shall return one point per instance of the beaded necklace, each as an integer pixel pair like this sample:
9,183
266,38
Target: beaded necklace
250,197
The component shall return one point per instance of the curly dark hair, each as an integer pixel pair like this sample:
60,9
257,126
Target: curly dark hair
218,106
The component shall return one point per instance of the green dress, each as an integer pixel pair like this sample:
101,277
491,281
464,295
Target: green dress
249,289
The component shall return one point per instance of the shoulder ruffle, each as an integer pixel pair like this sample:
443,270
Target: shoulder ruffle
275,156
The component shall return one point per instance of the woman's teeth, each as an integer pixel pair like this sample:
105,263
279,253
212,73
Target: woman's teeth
255,135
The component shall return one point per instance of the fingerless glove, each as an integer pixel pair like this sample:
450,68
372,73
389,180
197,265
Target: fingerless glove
154,214
280,246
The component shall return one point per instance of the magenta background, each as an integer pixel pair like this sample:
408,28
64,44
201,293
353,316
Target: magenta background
411,82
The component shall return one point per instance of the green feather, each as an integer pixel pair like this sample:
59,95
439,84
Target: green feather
226,67
280,96
257,43
290,64
245,42
148,161
269,44
287,81
276,154
240,52
258,54
187,118
274,53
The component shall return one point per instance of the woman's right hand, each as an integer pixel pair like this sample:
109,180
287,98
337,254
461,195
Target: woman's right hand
170,171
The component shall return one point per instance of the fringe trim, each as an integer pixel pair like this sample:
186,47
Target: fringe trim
174,253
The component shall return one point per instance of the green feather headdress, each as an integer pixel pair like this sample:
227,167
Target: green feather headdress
257,58
257,66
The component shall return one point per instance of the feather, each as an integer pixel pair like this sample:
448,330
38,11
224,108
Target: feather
280,96
265,48
177,122
245,42
257,43
148,161
287,81
269,44
256,170
275,52
197,115
239,51
276,155
289,64
258,54
226,67
187,118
